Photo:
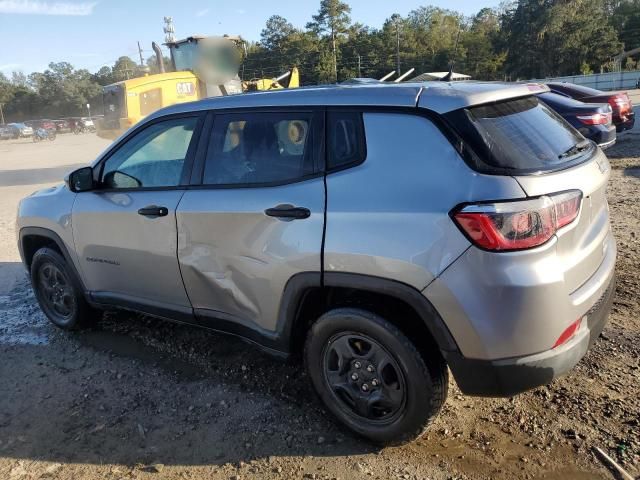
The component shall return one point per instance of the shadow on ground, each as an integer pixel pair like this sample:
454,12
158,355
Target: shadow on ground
632,171
138,390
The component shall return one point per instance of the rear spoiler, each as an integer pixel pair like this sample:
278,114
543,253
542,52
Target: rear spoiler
443,97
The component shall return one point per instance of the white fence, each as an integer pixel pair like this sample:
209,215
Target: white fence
601,81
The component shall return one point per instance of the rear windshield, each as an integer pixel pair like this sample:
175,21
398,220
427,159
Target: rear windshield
521,135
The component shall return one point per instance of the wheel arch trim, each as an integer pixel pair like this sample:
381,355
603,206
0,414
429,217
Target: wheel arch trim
55,238
300,284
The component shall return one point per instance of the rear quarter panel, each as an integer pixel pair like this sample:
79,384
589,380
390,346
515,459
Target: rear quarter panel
388,217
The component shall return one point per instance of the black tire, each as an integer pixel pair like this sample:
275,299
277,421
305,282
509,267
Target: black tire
422,379
58,291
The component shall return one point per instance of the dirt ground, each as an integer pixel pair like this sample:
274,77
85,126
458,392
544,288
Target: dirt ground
138,398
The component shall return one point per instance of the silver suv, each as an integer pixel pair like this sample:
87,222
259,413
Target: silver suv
385,233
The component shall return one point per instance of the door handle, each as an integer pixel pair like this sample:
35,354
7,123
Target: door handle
154,211
290,212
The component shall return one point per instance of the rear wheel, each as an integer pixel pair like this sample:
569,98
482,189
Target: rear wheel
58,291
372,378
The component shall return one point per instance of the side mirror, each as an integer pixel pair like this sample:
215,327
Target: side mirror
80,180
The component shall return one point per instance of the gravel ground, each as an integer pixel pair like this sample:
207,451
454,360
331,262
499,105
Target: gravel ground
136,397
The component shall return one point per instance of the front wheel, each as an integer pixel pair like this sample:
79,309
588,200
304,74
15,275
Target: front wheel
372,377
58,291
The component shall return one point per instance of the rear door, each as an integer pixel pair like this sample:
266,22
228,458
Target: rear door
125,230
256,218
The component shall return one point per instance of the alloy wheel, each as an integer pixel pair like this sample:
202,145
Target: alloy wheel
57,292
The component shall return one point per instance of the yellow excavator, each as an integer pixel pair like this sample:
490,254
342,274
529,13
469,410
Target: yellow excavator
201,67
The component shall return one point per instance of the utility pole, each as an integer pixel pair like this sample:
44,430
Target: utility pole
140,53
359,72
1,115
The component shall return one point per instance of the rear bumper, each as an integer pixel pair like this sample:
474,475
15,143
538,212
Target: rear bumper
603,135
508,377
608,144
627,124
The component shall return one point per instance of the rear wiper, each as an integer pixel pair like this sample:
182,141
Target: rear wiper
577,148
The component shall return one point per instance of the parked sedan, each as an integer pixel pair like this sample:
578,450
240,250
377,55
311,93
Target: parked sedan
623,116
20,130
592,120
62,126
5,133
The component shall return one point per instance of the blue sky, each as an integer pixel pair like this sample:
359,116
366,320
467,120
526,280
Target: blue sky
90,34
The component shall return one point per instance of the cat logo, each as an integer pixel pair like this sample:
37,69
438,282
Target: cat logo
185,88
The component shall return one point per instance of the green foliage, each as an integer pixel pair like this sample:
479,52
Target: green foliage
521,39
330,25
125,68
152,64
625,18
64,90
7,89
549,38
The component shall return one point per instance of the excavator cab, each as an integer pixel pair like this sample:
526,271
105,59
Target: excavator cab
214,60
200,67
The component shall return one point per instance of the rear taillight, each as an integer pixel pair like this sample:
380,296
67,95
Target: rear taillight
595,119
620,103
517,225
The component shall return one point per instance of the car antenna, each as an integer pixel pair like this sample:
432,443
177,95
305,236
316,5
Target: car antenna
449,75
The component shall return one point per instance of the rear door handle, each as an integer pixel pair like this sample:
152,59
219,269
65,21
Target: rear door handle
290,212
154,211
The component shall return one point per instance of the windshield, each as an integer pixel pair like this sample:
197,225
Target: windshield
522,135
184,56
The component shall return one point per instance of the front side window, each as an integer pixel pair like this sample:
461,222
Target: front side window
154,157
260,148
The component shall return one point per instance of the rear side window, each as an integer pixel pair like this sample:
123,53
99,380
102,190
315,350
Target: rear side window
345,139
260,148
521,135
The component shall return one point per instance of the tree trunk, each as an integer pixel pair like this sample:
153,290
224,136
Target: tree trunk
335,56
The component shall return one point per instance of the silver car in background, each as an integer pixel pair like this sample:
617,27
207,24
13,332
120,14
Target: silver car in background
386,234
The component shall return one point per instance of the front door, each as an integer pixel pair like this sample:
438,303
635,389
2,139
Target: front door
125,230
257,219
